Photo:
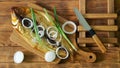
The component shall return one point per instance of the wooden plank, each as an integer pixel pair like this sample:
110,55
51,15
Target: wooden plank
75,65
60,5
110,49
6,28
6,20
16,1
89,15
96,6
7,55
117,10
31,0
82,8
100,16
110,9
97,21
100,28
90,40
4,37
5,10
61,12
100,65
5,24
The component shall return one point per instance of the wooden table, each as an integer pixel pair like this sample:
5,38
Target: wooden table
65,9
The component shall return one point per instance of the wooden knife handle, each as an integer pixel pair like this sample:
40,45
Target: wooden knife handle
99,43
87,56
97,40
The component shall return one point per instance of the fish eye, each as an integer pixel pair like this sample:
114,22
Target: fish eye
27,23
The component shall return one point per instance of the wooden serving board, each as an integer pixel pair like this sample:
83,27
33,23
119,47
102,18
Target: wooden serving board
111,59
76,50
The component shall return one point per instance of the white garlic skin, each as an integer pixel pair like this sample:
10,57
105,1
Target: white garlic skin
18,57
50,56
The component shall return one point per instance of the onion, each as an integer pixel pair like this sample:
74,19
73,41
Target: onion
51,42
53,36
41,31
66,23
52,30
57,52
27,23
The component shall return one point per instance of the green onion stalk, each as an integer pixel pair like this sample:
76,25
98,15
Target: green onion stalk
61,31
58,27
36,30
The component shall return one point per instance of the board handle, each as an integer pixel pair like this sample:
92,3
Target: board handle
87,56
99,43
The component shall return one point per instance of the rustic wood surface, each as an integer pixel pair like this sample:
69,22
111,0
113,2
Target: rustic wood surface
111,59
82,8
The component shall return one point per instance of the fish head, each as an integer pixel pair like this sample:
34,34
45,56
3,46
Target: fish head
18,14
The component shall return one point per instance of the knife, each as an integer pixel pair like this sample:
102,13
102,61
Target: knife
84,23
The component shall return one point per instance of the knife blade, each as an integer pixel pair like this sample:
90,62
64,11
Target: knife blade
84,23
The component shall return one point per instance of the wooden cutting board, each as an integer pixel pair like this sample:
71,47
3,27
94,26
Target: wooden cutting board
65,9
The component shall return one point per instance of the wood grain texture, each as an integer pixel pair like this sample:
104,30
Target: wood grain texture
117,10
90,40
111,59
9,51
82,9
100,16
108,8
76,65
100,28
110,21
99,43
